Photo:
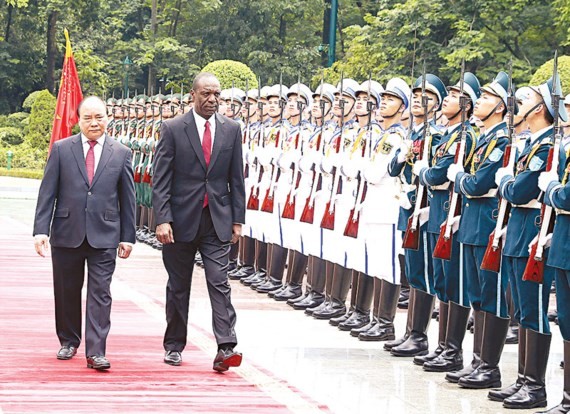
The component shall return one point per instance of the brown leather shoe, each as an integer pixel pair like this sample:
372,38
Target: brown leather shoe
98,362
66,352
227,358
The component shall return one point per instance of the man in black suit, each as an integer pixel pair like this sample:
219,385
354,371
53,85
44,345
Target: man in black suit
199,203
86,205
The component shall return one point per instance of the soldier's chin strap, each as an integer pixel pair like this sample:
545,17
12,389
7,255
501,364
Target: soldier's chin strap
491,112
393,115
532,109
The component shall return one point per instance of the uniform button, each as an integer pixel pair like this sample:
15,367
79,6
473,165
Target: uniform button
89,193
466,204
86,209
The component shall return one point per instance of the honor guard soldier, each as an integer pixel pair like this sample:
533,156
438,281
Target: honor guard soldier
314,203
556,188
299,98
445,279
531,299
486,289
337,210
427,98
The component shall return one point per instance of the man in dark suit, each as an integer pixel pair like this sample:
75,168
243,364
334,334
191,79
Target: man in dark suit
199,203
86,205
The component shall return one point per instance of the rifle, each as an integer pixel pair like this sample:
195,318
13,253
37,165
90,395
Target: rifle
444,243
534,271
142,141
147,176
411,238
327,222
269,201
247,104
289,208
494,252
351,228
253,201
308,214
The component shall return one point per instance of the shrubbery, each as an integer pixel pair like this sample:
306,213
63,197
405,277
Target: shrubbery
229,70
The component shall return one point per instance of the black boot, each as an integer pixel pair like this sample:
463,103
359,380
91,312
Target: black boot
396,342
353,290
375,309
233,262
295,273
451,359
533,392
248,260
442,333
500,395
340,286
316,276
512,333
417,342
564,406
289,261
478,323
488,373
404,298
329,273
361,315
384,329
260,264
276,268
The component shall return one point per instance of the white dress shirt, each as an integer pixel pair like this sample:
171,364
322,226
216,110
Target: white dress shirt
201,126
97,149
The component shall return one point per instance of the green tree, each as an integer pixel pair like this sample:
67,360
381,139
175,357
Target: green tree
544,72
38,132
231,72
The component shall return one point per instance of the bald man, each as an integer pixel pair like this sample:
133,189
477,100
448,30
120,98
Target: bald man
86,211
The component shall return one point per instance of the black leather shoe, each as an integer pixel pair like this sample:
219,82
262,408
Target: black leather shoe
268,286
342,318
332,310
512,336
66,352
357,331
303,296
404,298
312,300
382,331
254,278
416,344
244,271
317,306
173,358
98,362
289,293
356,320
225,359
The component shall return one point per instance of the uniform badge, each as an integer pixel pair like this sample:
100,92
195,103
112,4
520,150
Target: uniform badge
416,146
496,155
386,148
535,164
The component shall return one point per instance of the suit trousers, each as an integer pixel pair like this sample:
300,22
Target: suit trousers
178,260
68,277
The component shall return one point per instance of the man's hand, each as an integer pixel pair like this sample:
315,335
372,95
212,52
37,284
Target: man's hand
419,166
125,250
502,173
236,232
41,243
164,233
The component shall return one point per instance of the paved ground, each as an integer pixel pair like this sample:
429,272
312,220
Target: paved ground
289,354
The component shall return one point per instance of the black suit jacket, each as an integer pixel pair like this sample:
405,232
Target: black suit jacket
181,179
103,212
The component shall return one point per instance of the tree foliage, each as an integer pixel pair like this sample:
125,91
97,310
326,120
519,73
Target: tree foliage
544,73
38,132
230,73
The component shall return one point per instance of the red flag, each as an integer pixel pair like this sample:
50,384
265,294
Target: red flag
68,97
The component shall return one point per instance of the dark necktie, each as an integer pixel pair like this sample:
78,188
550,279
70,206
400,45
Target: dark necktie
207,148
90,161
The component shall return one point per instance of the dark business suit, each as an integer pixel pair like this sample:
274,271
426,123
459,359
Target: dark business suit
180,182
85,223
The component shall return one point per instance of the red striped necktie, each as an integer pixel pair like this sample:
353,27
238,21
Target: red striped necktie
207,148
90,161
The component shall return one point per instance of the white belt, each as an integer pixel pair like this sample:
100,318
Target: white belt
562,212
531,204
491,194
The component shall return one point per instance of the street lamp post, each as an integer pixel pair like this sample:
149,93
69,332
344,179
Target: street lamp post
127,65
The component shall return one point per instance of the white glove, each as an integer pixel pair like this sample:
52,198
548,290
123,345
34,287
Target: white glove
454,224
545,243
404,150
545,178
405,201
419,166
327,165
423,215
305,164
250,157
502,234
453,170
502,173
350,170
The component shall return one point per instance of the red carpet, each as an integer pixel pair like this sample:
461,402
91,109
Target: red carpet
33,380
